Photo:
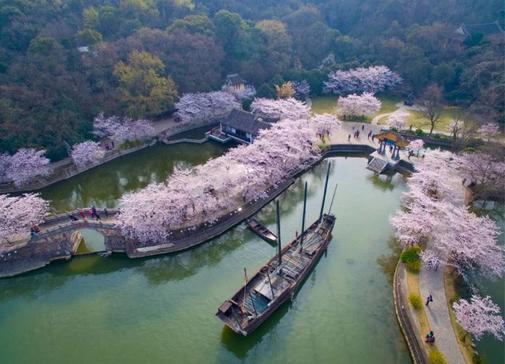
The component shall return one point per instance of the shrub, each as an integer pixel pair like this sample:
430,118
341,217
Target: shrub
410,257
415,301
436,357
420,132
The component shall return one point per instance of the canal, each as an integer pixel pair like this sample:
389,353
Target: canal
158,310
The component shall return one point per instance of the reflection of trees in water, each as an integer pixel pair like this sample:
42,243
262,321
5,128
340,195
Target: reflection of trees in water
382,181
389,260
185,264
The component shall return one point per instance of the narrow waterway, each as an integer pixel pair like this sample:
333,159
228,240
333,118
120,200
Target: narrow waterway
104,185
159,310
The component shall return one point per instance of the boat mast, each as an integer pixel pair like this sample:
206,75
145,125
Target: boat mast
270,282
245,293
279,232
303,216
333,197
324,193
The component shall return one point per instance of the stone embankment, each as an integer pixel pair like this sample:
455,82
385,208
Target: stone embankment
54,241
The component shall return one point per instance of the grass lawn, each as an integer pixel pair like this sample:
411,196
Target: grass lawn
419,121
328,104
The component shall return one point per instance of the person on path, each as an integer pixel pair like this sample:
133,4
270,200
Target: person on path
369,134
357,134
363,127
83,216
428,300
106,213
349,138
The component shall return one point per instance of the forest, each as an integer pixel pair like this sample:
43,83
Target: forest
64,62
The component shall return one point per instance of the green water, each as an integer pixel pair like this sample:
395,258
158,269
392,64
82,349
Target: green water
102,186
161,310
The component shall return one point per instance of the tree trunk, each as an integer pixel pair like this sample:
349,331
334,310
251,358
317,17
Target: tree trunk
432,127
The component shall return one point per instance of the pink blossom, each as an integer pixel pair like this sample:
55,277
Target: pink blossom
19,213
416,145
302,88
358,80
26,165
245,93
208,192
479,316
87,153
358,105
205,105
489,130
398,120
122,129
284,108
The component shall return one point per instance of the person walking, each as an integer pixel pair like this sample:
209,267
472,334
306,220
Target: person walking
369,134
349,138
429,299
106,212
363,127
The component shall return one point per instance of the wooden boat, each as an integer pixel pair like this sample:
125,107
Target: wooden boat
261,230
278,280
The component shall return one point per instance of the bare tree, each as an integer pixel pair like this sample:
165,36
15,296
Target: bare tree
431,101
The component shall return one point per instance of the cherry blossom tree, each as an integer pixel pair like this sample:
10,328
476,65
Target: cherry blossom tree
479,316
206,193
489,130
302,89
205,105
358,80
122,129
87,153
398,120
358,105
415,146
434,214
285,108
26,165
19,213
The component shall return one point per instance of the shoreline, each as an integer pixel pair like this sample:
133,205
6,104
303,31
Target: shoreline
45,249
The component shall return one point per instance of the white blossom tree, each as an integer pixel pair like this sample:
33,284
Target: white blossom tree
358,80
489,130
434,214
479,316
302,89
19,213
284,108
205,105
26,165
456,126
204,194
87,153
121,130
246,93
358,105
398,120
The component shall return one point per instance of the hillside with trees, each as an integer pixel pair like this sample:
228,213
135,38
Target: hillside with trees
64,62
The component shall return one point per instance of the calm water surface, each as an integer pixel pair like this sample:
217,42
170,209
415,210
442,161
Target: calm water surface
161,310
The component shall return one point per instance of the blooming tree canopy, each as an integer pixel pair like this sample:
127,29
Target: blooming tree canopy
205,105
486,172
398,120
479,316
206,193
87,153
245,93
358,105
19,213
122,129
302,89
358,80
26,165
285,108
416,145
456,126
489,130
434,214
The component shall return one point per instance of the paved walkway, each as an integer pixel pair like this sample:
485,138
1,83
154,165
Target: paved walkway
432,282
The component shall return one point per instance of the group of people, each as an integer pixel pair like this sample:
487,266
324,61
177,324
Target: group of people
92,213
34,230
357,132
